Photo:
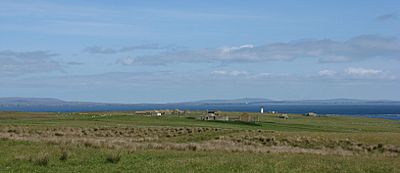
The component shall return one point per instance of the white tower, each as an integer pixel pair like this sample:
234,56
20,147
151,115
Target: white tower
262,109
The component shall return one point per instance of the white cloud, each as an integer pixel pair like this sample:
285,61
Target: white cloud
220,72
231,73
126,61
237,73
261,75
357,73
362,72
327,73
105,50
100,50
249,75
231,49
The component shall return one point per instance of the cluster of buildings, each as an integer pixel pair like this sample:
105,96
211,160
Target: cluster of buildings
160,112
217,116
311,114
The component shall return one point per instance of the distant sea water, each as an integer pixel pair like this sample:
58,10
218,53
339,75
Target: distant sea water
371,111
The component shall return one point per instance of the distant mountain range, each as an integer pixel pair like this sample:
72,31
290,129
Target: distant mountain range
30,101
243,104
13,101
331,106
293,102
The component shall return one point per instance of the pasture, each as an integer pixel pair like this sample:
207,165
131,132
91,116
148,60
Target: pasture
126,142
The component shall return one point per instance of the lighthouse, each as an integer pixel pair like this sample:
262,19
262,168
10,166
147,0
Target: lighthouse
262,110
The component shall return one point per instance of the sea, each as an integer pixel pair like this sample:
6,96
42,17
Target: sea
371,111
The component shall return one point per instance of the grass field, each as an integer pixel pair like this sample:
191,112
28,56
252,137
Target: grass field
125,142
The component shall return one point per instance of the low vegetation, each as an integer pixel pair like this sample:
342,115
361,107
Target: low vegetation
123,141
113,157
42,159
64,155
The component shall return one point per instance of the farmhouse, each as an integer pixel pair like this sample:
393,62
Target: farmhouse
210,115
311,114
214,115
283,116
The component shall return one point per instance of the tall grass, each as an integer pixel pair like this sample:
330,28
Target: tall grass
64,155
42,159
114,157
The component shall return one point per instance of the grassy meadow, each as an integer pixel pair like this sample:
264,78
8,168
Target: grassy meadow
125,142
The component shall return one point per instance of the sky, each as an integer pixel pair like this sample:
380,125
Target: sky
182,50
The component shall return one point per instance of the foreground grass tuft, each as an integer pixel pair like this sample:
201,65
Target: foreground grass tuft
113,157
64,155
42,159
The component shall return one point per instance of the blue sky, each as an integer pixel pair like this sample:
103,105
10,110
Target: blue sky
159,51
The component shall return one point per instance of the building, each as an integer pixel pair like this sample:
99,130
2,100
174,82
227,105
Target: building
210,115
158,113
262,110
283,116
214,115
311,114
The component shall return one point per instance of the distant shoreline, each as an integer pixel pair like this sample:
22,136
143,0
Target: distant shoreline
370,111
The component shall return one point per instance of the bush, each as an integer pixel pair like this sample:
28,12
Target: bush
113,158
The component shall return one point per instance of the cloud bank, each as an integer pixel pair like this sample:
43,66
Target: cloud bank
105,50
357,73
349,73
13,63
362,71
325,51
385,17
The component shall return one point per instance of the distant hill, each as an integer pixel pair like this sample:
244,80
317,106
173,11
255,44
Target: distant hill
57,105
231,101
291,102
30,101
54,102
21,101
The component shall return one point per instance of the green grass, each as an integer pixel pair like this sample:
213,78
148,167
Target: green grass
122,142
